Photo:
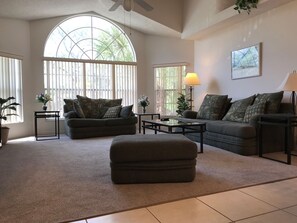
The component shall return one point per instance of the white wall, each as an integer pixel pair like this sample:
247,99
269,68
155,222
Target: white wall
15,39
275,29
163,50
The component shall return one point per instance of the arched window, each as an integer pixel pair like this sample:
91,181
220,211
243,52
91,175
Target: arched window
89,56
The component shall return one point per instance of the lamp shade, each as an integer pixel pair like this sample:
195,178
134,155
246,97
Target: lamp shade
290,83
192,79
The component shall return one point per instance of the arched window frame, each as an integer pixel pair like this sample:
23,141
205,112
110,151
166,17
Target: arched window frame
94,78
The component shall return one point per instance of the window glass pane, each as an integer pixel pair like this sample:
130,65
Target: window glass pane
51,46
75,23
11,86
168,85
97,38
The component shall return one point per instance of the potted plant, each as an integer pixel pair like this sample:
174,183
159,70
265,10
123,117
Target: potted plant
246,5
182,104
44,99
5,107
143,102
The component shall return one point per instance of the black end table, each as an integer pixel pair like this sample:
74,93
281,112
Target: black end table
288,122
47,114
139,115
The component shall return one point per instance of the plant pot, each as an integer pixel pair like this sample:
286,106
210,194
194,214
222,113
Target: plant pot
4,134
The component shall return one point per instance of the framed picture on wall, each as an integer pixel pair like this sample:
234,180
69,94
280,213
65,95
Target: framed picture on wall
246,62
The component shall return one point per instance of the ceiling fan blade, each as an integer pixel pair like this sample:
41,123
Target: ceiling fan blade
144,5
116,4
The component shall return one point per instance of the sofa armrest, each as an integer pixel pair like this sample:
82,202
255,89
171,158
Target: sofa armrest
70,114
190,114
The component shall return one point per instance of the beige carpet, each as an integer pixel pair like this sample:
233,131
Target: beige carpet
63,180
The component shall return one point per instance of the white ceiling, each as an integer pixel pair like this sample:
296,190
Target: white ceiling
41,9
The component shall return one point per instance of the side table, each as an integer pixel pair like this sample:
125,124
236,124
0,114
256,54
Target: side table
288,122
47,114
139,115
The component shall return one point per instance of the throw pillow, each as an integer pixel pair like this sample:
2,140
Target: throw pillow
126,111
211,107
252,110
78,110
69,104
237,110
113,112
90,107
225,108
273,101
70,114
110,102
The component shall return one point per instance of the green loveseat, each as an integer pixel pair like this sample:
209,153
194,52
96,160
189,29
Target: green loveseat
86,117
232,126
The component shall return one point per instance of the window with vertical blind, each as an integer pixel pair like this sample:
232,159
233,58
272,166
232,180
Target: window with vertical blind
89,56
11,84
169,82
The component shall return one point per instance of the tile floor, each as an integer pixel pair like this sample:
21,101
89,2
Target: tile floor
272,203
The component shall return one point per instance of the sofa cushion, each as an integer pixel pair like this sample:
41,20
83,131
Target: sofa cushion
96,108
69,104
86,122
90,107
225,108
78,110
126,111
253,110
120,121
110,102
236,129
273,101
113,112
237,110
70,114
211,107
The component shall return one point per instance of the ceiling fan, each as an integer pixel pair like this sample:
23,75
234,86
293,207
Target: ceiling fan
128,4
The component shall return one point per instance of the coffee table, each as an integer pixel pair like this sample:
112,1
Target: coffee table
170,126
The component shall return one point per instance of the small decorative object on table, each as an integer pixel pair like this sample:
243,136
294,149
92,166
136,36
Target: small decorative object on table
143,102
44,99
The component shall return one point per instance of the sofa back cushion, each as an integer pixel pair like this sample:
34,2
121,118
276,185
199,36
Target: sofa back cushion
272,100
212,106
253,110
126,111
237,110
69,105
96,108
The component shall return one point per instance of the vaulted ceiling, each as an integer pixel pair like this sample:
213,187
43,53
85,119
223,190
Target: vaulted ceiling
189,19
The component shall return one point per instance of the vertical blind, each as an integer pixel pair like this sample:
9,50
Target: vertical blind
168,85
11,85
66,79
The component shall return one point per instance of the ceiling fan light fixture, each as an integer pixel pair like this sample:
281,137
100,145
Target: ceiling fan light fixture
128,5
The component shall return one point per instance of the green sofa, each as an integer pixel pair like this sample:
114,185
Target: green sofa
85,118
237,132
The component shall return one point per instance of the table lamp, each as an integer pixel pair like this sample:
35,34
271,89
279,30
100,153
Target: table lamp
191,80
291,85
